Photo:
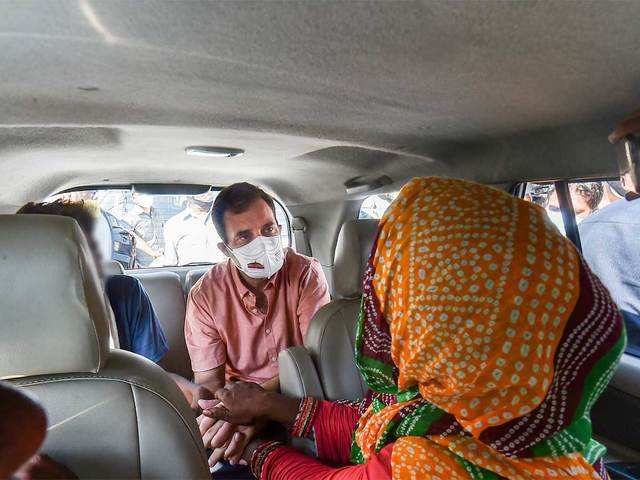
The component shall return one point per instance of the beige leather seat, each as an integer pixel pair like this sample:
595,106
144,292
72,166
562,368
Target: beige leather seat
193,276
112,414
325,366
111,267
167,297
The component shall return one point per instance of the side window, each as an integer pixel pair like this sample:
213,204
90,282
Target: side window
606,225
374,206
545,195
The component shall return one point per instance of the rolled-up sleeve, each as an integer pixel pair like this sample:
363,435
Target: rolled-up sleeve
206,347
314,294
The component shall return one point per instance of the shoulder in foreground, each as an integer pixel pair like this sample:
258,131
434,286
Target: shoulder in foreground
622,211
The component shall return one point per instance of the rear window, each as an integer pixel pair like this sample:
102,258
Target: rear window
374,206
140,230
604,222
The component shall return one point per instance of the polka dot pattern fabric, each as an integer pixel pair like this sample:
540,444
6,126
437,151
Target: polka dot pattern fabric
489,333
481,319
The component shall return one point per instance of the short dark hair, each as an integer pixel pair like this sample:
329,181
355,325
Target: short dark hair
82,212
237,198
591,192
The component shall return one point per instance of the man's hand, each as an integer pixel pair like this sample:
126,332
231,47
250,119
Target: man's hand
42,467
227,441
216,434
244,434
198,392
240,403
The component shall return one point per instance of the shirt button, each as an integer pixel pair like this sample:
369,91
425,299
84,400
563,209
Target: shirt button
267,331
274,358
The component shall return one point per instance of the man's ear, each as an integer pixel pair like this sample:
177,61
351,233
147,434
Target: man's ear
224,249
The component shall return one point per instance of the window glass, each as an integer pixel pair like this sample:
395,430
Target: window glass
608,222
544,194
142,230
374,206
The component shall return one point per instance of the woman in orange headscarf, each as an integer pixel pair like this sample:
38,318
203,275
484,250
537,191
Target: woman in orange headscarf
484,339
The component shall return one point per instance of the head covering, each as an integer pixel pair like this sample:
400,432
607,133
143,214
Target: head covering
484,338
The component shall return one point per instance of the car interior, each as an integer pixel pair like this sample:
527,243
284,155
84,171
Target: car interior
331,107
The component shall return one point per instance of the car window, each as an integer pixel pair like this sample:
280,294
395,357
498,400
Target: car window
374,206
607,229
545,195
145,231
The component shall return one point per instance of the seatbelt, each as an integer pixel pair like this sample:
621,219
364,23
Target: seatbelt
299,226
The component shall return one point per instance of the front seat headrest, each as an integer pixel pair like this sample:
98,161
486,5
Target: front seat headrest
355,241
54,318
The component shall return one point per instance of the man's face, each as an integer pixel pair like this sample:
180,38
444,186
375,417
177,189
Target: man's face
243,228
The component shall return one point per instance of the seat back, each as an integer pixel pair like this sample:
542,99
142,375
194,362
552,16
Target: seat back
111,414
330,342
167,297
329,346
111,267
353,247
193,276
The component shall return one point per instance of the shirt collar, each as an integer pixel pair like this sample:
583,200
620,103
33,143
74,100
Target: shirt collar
241,285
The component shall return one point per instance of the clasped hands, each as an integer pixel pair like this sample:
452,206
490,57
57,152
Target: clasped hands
232,419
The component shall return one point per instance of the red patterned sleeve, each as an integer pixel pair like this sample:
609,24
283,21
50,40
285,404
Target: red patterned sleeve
285,463
332,425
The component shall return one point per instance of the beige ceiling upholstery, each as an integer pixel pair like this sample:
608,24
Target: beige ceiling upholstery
417,87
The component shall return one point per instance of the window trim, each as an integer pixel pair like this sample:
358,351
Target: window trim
568,213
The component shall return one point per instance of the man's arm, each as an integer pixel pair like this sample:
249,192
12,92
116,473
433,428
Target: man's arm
142,244
170,254
212,380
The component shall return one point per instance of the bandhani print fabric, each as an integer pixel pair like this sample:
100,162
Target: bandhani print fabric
484,338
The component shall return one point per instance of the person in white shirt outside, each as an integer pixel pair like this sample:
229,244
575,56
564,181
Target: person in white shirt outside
190,236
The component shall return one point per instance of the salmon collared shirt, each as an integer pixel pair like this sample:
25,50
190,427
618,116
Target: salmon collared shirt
224,326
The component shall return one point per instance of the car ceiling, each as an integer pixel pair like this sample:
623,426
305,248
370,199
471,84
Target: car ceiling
315,92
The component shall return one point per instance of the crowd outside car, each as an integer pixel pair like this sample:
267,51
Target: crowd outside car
167,230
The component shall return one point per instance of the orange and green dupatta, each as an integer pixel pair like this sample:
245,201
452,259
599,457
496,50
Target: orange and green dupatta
484,338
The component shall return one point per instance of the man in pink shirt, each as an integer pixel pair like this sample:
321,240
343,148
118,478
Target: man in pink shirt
247,309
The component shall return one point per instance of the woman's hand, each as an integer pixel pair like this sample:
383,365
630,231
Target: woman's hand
240,403
225,440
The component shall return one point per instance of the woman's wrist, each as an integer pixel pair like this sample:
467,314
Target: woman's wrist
269,404
302,424
280,408
259,452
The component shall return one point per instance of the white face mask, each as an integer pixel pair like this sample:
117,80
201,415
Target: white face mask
260,258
